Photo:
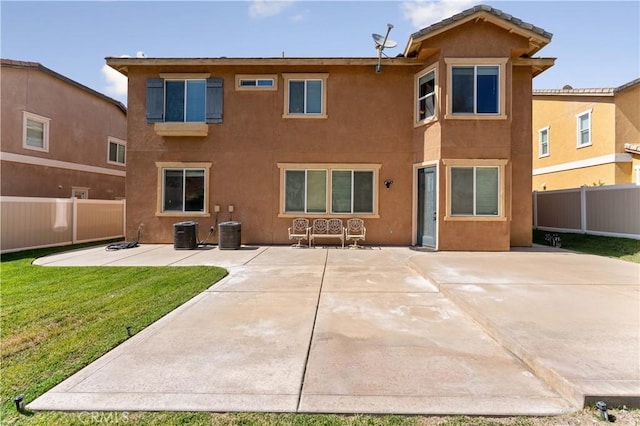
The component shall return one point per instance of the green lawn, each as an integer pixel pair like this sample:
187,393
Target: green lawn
56,320
620,248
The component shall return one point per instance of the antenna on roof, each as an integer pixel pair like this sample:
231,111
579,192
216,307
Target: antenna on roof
381,44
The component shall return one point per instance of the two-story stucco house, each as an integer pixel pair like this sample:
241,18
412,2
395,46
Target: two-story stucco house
59,138
586,136
434,150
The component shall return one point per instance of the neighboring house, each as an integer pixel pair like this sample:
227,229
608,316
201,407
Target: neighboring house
586,137
59,138
434,150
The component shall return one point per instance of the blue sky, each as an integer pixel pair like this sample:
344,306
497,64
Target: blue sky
597,43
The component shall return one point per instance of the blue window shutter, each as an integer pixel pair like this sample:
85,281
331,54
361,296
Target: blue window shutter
155,100
214,100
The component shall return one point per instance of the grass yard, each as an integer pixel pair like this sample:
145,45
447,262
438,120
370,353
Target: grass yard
56,320
619,248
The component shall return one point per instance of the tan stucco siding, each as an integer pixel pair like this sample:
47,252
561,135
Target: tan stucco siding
370,119
604,174
244,150
80,124
19,179
521,153
627,122
560,115
615,121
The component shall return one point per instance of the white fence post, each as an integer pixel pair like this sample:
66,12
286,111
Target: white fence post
74,220
124,218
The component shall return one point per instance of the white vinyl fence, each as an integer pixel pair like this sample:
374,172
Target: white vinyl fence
29,222
601,210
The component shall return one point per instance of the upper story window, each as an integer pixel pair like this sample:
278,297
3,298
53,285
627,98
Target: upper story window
256,82
476,88
543,142
35,132
426,96
184,98
305,95
584,129
116,154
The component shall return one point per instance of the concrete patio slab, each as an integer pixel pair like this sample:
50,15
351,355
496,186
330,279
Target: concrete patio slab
536,331
95,256
527,266
575,322
375,278
269,278
417,353
220,352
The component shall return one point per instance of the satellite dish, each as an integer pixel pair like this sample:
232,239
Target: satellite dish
383,41
381,44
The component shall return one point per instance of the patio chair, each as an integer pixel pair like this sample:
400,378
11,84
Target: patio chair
326,228
355,231
299,230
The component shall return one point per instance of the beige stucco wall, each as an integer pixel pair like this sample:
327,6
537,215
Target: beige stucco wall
80,124
452,138
627,117
363,126
615,121
628,131
370,120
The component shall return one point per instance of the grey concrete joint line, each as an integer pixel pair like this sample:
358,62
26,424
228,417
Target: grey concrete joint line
254,257
554,380
313,331
134,255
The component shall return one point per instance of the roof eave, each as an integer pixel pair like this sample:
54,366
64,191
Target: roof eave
538,38
122,64
538,65
39,67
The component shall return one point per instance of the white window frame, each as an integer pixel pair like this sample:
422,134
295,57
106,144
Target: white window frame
240,78
289,77
501,63
161,166
329,168
120,143
26,116
542,154
418,98
455,163
579,143
636,169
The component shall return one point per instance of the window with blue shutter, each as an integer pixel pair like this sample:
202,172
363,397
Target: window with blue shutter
214,100
184,100
155,100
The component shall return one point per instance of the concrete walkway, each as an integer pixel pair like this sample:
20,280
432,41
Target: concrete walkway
377,330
